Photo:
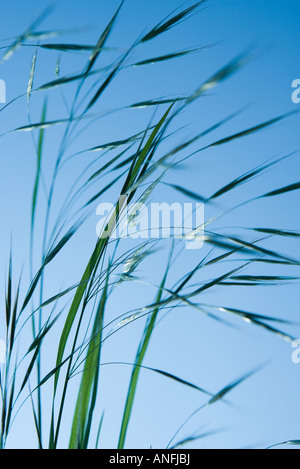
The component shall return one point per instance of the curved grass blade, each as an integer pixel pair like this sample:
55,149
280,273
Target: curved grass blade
290,443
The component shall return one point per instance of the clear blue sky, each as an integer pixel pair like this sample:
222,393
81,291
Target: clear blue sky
265,409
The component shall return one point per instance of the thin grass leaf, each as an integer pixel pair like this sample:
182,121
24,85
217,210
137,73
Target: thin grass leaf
263,278
13,320
69,79
154,102
139,361
189,193
221,394
246,177
166,57
250,131
69,47
167,24
278,232
36,423
290,443
38,165
283,190
191,439
49,257
114,144
8,299
107,82
144,153
102,40
106,188
99,431
10,404
92,264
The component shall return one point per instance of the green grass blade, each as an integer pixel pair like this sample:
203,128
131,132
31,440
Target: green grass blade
138,362
89,382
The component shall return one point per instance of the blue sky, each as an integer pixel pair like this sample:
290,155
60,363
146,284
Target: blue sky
264,409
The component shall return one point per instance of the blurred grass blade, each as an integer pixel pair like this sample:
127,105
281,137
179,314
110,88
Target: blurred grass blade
227,389
17,43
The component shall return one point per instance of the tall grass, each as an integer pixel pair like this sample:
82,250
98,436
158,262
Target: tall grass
79,316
